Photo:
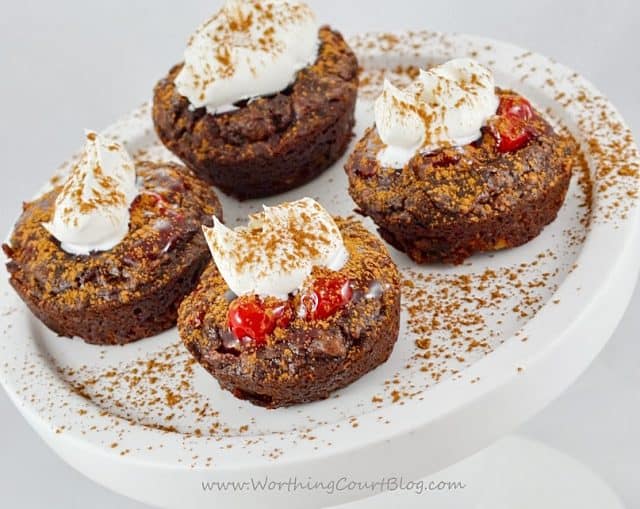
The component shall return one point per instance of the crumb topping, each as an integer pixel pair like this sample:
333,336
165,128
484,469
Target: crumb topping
165,218
372,275
315,99
459,180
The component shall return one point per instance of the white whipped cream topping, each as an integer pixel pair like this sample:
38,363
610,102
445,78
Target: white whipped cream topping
445,106
275,252
92,210
248,49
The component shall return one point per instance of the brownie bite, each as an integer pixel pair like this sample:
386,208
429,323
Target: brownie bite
497,192
268,143
276,352
131,291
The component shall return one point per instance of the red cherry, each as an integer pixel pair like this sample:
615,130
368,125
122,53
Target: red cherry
516,106
163,206
281,312
511,133
326,296
249,317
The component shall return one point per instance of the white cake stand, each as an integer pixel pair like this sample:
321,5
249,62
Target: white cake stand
513,472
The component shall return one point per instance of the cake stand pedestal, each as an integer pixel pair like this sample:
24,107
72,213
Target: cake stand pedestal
515,472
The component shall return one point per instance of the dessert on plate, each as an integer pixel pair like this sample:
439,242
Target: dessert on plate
264,100
297,305
109,255
455,165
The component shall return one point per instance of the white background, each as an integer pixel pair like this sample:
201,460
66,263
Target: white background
70,64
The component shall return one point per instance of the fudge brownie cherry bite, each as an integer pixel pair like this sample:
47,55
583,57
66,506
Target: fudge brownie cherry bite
264,100
297,305
109,255
454,166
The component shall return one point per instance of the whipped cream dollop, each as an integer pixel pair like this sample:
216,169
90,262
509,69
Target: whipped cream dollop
248,49
276,251
92,210
444,106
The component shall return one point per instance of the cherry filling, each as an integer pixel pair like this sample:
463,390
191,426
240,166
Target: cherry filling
254,318
511,127
251,317
516,106
326,296
162,205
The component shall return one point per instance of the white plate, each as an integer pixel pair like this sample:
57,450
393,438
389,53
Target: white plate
512,330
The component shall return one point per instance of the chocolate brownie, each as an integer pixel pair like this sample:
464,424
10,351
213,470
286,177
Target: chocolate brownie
131,291
447,205
308,357
271,144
